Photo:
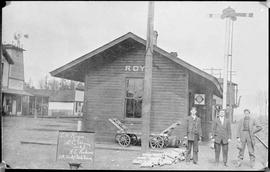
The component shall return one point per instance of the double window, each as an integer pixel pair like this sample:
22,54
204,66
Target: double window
133,97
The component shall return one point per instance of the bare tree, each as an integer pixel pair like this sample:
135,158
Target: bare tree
43,83
46,82
53,84
28,84
64,84
72,85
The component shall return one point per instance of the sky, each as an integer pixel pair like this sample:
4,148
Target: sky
60,32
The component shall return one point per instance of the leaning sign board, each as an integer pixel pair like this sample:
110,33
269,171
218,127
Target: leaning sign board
76,146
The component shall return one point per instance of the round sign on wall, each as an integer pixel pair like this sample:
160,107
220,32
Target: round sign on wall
199,99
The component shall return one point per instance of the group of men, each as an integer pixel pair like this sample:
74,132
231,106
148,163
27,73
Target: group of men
221,135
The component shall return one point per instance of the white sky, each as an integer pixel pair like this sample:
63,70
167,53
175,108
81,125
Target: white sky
60,32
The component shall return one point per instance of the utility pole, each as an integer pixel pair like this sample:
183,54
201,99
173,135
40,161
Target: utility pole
230,15
147,89
1,51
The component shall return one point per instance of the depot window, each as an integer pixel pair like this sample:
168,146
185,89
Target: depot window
133,97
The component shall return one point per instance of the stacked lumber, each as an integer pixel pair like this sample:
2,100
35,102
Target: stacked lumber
166,157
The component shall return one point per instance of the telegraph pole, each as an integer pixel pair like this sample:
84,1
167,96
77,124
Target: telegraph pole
1,51
147,89
230,15
225,67
230,59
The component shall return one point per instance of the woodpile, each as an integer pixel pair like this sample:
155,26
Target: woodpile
166,157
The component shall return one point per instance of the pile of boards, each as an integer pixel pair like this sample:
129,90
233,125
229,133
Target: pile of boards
166,157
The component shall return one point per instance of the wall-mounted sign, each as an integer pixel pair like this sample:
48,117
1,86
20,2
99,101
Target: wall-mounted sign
199,99
134,68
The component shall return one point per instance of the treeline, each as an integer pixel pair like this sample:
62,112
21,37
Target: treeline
54,84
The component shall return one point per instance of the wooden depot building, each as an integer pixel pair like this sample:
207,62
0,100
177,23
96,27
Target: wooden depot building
113,75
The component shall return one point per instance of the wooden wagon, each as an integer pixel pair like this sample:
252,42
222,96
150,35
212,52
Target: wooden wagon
125,137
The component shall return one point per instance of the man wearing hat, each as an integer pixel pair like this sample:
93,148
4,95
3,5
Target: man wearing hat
221,135
193,135
247,127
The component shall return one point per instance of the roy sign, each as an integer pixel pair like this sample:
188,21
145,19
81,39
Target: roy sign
139,68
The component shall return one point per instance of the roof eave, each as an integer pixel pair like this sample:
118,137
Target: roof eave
7,56
89,55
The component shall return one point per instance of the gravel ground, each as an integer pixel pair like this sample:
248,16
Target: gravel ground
17,131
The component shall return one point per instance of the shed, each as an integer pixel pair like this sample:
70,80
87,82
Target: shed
38,102
232,92
66,103
113,76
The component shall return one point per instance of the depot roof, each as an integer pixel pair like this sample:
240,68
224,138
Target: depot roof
71,69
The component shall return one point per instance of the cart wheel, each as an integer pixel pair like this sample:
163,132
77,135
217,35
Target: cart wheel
134,139
124,140
166,141
117,136
156,142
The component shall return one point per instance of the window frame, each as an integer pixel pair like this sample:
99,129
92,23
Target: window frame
125,98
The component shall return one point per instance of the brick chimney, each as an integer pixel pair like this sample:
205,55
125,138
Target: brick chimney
155,38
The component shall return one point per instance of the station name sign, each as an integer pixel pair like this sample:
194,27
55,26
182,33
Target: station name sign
139,68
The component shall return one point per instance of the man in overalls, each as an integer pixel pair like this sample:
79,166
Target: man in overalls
247,127
193,135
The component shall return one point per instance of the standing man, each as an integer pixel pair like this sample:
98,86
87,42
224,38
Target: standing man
221,135
193,135
247,127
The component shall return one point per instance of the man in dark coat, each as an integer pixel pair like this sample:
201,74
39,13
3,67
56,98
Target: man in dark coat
221,135
247,127
193,135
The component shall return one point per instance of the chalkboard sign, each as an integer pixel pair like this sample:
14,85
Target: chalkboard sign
76,146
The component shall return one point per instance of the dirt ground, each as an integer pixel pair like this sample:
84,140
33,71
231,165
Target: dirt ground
20,136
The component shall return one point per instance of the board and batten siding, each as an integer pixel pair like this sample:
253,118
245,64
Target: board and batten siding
5,69
17,69
105,94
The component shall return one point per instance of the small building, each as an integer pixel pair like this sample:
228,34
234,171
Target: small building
38,102
14,97
232,97
232,92
66,103
113,76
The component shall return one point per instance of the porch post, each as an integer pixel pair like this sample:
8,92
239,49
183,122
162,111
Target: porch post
42,105
35,112
21,104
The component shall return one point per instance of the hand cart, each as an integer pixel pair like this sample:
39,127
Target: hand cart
125,137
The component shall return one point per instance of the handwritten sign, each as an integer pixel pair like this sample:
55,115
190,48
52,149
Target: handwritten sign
76,146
